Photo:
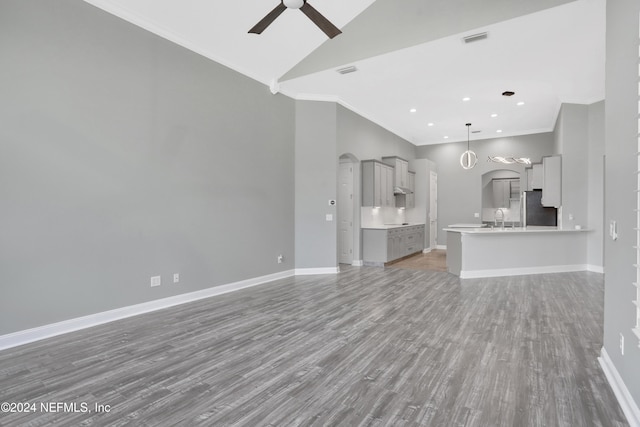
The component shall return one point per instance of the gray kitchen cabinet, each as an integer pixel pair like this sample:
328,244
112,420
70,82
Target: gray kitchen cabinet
388,190
501,193
536,178
529,179
411,185
552,181
381,245
377,184
401,168
505,191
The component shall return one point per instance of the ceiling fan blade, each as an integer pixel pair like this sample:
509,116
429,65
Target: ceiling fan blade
267,20
323,23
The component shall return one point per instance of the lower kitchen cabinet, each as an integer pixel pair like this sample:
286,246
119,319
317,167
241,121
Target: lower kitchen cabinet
381,245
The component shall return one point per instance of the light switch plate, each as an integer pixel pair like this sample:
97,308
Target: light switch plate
329,217
613,230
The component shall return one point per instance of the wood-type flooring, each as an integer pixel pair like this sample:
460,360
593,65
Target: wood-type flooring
366,347
436,260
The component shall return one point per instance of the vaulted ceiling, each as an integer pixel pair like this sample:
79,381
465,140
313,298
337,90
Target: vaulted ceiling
408,54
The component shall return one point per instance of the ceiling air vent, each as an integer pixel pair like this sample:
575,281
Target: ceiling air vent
347,70
475,37
476,131
508,93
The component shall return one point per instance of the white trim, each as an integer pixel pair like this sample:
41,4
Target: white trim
311,271
595,268
443,247
426,250
357,263
474,274
628,405
47,331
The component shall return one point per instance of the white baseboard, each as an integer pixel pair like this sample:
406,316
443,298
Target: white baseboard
426,250
357,263
47,331
475,274
443,247
595,268
628,405
310,271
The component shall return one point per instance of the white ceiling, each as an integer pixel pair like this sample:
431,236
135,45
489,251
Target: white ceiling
409,54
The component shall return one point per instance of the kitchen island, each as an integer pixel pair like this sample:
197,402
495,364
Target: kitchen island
487,252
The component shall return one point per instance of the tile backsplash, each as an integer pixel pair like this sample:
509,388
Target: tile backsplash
374,217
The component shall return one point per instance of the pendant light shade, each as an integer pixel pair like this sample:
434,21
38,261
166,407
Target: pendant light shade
468,159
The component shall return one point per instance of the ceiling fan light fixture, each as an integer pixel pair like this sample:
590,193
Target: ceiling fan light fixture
293,4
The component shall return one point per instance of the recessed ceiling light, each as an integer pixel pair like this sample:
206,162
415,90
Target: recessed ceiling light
413,110
446,137
520,103
494,115
466,98
429,124
499,131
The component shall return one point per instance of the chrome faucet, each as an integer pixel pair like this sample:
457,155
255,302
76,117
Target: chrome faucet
499,216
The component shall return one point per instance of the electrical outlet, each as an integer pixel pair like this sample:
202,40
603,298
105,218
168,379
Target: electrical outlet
476,215
622,344
280,259
156,281
176,277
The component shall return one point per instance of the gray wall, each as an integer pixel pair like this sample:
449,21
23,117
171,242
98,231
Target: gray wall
459,190
595,185
367,140
572,133
324,132
621,130
124,156
362,139
316,182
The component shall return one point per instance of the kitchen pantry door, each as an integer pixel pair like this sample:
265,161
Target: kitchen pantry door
433,210
345,214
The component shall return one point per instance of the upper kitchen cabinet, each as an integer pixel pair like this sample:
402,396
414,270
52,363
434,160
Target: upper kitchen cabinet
377,184
401,167
552,181
536,177
505,191
411,185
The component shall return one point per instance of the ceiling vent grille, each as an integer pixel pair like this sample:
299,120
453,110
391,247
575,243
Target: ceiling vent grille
475,37
347,70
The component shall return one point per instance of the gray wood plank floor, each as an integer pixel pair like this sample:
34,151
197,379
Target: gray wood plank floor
367,347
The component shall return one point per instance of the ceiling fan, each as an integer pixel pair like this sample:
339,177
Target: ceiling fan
323,23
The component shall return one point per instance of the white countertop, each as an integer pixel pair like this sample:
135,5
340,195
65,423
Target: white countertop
467,225
389,226
517,230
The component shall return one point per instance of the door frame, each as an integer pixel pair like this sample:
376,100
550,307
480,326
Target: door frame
355,220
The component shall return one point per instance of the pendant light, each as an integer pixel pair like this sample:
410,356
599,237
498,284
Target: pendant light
468,159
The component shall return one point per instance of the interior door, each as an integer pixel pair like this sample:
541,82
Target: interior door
433,210
345,214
